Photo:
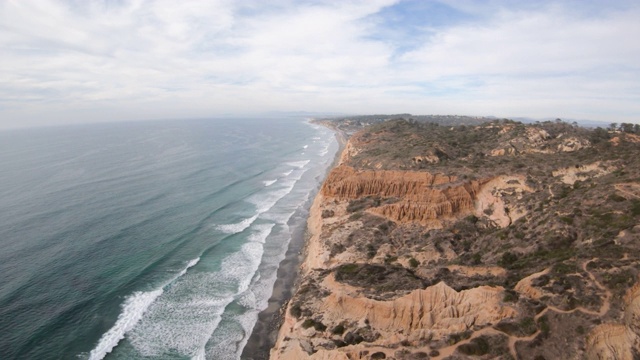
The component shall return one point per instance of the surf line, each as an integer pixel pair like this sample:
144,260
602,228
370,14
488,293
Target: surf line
133,308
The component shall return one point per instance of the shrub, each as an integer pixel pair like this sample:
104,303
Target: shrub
616,198
316,325
476,259
507,259
528,326
295,311
635,207
477,346
413,263
371,251
338,329
308,323
510,296
544,326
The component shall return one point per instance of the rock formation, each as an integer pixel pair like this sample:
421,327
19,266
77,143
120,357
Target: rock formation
423,197
618,341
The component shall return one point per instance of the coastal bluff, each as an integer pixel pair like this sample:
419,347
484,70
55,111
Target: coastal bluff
481,254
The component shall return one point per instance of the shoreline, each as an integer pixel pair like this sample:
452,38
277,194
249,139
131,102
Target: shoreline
265,331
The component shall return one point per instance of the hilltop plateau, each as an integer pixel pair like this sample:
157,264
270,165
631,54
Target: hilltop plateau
497,240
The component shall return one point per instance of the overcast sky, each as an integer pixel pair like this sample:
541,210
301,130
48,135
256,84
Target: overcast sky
86,61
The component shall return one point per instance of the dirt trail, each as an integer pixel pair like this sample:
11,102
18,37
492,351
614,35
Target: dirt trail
604,308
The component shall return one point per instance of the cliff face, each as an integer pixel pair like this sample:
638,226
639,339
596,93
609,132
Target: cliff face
420,196
425,198
414,319
435,311
344,182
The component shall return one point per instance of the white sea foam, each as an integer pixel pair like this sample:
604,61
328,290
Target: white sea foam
263,230
299,164
228,345
287,173
280,217
269,182
306,146
200,355
324,150
186,316
133,308
190,264
237,227
264,202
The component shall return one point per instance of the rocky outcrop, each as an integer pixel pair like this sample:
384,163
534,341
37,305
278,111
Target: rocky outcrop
573,144
496,199
632,311
427,198
422,315
350,150
422,196
537,135
426,159
434,311
345,183
618,341
584,172
537,140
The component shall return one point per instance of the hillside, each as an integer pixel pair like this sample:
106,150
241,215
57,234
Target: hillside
500,240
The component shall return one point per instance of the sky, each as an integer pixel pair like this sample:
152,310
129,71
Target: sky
79,61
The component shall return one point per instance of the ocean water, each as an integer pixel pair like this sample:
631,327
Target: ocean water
150,240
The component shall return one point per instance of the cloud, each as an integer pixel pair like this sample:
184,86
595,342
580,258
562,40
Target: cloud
77,61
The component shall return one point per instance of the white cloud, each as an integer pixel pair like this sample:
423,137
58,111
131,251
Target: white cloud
97,61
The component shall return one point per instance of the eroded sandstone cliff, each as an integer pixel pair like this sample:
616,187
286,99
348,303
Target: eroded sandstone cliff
618,341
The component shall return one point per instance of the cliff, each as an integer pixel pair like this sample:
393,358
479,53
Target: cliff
423,197
429,242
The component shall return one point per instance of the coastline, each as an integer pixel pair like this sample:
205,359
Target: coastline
266,330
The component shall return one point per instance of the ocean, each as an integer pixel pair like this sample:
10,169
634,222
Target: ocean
148,240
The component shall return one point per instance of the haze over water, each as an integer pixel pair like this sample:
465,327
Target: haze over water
148,240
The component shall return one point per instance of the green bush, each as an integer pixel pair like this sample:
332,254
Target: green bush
507,259
308,323
478,346
295,311
338,329
316,325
